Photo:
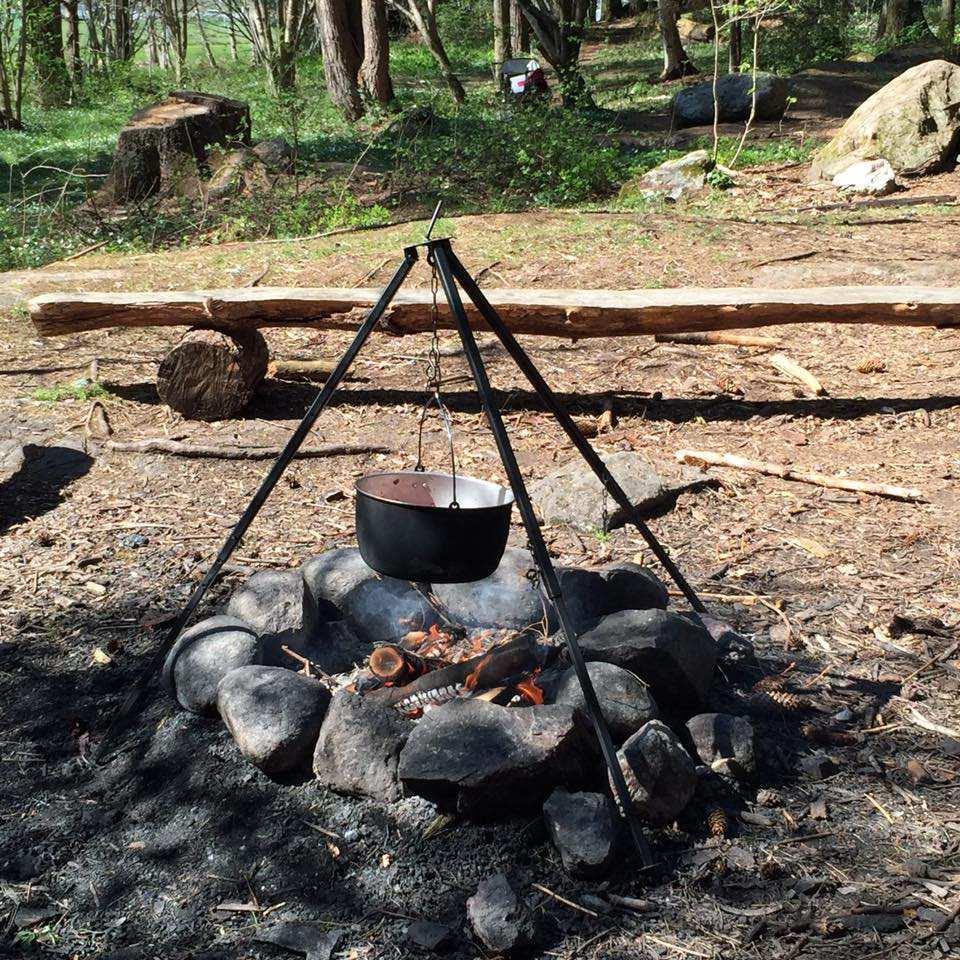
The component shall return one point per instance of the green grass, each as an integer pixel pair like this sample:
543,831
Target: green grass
70,391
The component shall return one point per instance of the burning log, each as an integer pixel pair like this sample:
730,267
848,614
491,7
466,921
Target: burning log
394,665
507,664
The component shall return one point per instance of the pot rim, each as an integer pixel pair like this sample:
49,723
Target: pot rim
507,503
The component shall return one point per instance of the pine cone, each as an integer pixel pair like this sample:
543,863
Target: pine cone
769,798
717,822
766,684
778,701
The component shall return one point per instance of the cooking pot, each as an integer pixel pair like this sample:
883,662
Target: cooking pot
432,527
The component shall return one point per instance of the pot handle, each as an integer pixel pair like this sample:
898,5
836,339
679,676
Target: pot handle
448,427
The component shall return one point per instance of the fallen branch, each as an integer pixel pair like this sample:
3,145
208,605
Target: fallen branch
708,458
946,199
719,337
791,369
177,449
315,371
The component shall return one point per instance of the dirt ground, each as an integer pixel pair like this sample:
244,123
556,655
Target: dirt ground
133,859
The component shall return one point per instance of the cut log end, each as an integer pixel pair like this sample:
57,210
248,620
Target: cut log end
211,375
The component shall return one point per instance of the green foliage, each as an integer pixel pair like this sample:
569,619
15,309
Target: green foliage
81,390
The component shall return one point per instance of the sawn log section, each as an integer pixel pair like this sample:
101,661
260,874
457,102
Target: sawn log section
558,313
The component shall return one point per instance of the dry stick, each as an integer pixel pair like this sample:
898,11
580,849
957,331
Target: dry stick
564,900
791,369
676,947
316,371
929,663
708,458
720,337
176,449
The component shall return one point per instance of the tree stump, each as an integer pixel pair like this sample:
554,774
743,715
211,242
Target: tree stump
211,375
163,147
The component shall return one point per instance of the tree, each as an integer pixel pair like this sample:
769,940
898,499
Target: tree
558,26
676,63
13,61
275,31
175,38
341,56
375,66
502,45
44,35
898,16
422,14
948,22
519,30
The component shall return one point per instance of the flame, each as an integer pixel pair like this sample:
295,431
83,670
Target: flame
529,690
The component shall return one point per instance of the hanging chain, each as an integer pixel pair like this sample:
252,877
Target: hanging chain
434,373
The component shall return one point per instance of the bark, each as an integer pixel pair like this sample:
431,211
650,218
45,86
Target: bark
375,68
897,16
74,59
211,375
561,313
558,26
502,41
519,29
948,22
45,41
122,32
736,40
341,57
676,63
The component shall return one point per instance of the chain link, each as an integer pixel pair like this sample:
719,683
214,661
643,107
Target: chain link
434,372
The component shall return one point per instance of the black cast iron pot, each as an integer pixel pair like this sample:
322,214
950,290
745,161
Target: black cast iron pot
408,529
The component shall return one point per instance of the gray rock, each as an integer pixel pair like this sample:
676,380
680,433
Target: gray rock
672,179
486,760
275,154
282,611
670,652
428,935
377,608
573,495
202,656
693,106
333,647
625,700
870,178
507,598
358,750
274,715
584,831
593,594
315,941
660,774
724,743
498,916
912,123
693,31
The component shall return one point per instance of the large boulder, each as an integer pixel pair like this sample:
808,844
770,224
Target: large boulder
660,774
499,918
508,598
358,750
913,123
274,715
693,31
693,106
485,760
670,652
584,831
163,148
282,611
203,655
573,495
625,701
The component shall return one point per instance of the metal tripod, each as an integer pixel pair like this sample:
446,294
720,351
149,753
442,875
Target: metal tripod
451,271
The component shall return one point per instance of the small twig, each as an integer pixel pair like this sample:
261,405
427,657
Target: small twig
256,280
929,663
676,947
564,900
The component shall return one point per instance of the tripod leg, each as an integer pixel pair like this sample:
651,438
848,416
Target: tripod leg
441,252
543,390
136,698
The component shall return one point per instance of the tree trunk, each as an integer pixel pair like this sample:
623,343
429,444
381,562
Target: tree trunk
45,40
153,53
501,36
736,38
232,29
519,29
676,63
606,11
375,68
422,14
122,34
74,59
341,59
204,39
897,16
559,34
211,375
948,22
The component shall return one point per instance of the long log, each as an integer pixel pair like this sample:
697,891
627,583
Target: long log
558,313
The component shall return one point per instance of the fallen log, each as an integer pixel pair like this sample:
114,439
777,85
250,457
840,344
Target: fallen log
208,452
561,313
708,458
